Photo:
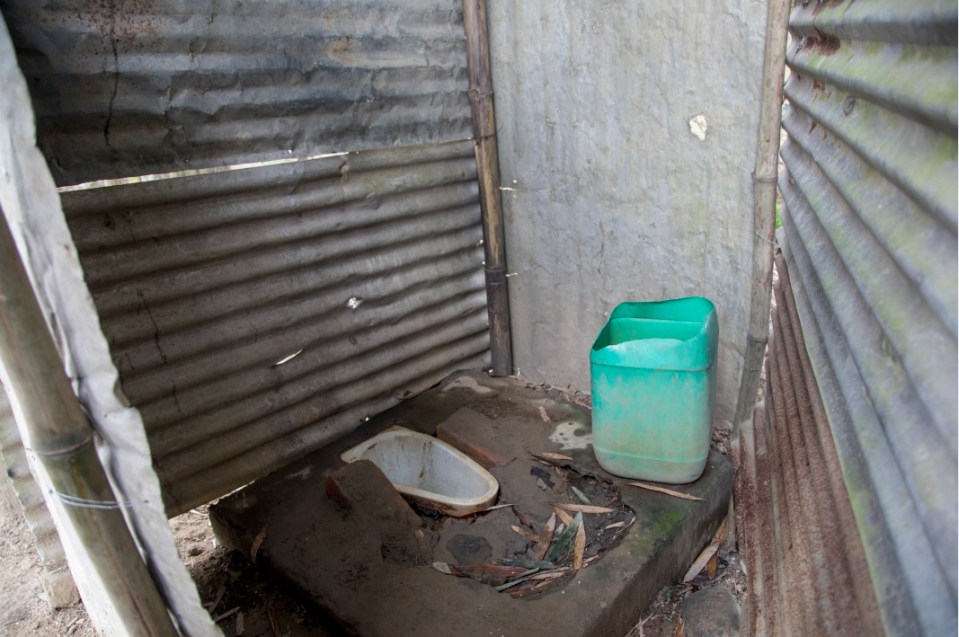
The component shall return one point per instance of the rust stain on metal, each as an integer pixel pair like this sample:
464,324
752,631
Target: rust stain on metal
799,538
822,43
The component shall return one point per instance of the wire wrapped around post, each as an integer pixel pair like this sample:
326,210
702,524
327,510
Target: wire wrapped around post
487,165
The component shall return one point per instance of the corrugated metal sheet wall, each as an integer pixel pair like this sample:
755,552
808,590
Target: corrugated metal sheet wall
869,234
124,88
805,559
367,266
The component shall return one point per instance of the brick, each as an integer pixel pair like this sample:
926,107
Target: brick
477,436
361,488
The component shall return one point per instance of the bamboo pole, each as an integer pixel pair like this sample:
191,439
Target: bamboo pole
487,165
764,204
55,428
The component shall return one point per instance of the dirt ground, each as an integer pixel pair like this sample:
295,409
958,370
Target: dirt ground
241,601
23,607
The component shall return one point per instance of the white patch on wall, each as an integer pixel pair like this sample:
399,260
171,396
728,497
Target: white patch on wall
698,127
572,435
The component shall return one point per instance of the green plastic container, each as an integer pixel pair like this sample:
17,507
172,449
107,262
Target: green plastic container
653,381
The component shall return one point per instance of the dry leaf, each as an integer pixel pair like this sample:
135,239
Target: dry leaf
579,494
240,628
551,456
544,415
228,613
522,577
712,566
582,508
720,536
545,537
579,547
615,525
552,574
700,562
680,628
525,521
216,600
564,517
560,548
257,542
486,573
707,556
675,494
275,625
426,553
529,535
496,507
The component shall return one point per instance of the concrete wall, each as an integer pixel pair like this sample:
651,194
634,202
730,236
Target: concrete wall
612,196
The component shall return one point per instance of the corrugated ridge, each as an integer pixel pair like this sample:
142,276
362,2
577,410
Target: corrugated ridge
326,393
869,233
296,180
328,327
172,253
757,609
467,353
200,275
121,92
807,567
900,553
262,330
918,242
181,344
275,336
885,317
841,540
917,159
909,86
922,451
794,582
832,575
244,396
914,22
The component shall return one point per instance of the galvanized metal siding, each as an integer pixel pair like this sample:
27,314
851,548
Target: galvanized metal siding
869,222
806,563
367,267
126,88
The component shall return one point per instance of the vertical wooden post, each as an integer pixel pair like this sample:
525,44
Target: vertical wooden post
487,164
55,428
764,205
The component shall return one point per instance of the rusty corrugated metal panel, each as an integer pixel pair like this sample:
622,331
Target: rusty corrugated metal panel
126,88
808,571
869,234
365,268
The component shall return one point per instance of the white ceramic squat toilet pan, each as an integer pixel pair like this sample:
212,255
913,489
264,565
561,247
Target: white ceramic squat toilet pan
428,471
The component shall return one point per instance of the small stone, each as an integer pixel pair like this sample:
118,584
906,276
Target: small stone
711,612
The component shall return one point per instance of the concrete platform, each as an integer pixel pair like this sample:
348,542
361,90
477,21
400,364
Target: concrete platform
345,540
